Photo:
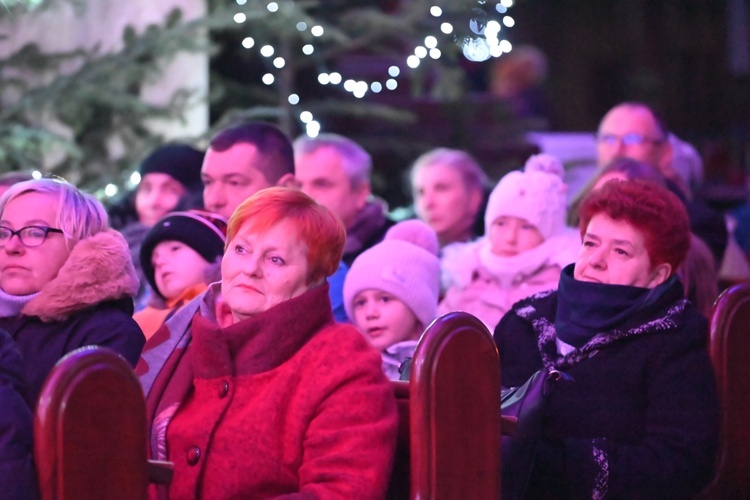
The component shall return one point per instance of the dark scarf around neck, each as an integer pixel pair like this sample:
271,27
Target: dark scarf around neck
585,309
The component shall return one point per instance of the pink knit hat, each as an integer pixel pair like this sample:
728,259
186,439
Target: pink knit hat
405,264
538,194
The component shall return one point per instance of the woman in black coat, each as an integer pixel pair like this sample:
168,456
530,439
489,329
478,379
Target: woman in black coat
640,419
66,280
16,465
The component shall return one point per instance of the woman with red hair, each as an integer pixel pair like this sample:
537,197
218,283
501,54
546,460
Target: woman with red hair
252,390
640,419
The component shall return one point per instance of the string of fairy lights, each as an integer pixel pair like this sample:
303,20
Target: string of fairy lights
480,42
477,33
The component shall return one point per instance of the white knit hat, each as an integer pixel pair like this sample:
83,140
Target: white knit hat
405,264
537,194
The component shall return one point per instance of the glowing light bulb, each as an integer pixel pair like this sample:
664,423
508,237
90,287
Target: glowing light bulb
248,42
279,62
293,99
268,79
313,129
266,51
239,18
446,28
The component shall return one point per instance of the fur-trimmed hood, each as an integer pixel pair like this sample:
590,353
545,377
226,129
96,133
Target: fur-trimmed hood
98,268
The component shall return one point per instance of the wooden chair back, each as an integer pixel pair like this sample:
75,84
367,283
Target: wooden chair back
90,429
729,347
91,433
455,411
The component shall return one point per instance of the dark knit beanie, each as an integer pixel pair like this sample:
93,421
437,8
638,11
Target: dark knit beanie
179,161
204,232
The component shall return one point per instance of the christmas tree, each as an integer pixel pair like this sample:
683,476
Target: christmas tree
331,65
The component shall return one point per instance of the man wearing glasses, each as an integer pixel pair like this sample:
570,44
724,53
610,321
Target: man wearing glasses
633,130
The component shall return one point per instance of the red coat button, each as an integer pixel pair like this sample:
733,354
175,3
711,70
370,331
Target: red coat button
193,455
223,389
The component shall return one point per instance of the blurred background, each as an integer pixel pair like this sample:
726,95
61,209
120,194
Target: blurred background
89,87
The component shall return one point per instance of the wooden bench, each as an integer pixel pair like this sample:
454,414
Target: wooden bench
729,347
91,431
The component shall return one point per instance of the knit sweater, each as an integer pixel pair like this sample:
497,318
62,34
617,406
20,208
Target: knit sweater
641,419
285,403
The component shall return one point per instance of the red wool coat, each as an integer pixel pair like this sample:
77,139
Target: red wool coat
284,403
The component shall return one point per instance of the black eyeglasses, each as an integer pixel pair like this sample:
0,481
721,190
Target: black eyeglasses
627,139
30,236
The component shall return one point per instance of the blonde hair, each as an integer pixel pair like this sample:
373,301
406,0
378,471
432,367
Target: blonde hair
79,214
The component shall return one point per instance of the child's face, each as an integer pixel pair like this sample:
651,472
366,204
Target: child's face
510,236
383,319
177,267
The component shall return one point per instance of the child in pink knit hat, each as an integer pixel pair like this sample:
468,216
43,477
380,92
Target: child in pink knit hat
391,291
526,245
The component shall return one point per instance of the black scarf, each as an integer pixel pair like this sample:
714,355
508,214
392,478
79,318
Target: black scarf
585,309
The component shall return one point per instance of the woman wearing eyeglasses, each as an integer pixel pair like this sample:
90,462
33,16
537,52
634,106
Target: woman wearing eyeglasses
66,279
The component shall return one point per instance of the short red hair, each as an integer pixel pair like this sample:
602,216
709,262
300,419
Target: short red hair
651,209
322,233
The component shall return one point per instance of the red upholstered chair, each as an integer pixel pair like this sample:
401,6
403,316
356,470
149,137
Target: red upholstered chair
90,429
455,411
730,353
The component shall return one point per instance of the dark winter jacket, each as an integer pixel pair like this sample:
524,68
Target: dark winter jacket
87,303
367,230
16,466
641,418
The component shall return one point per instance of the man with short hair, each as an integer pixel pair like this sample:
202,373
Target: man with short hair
634,130
243,160
335,172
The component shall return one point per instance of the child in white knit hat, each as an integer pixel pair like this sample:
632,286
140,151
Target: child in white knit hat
525,247
391,291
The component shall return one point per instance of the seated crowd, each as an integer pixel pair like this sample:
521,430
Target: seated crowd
264,298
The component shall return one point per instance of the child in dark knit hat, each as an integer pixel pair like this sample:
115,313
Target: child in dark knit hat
181,256
525,248
391,291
